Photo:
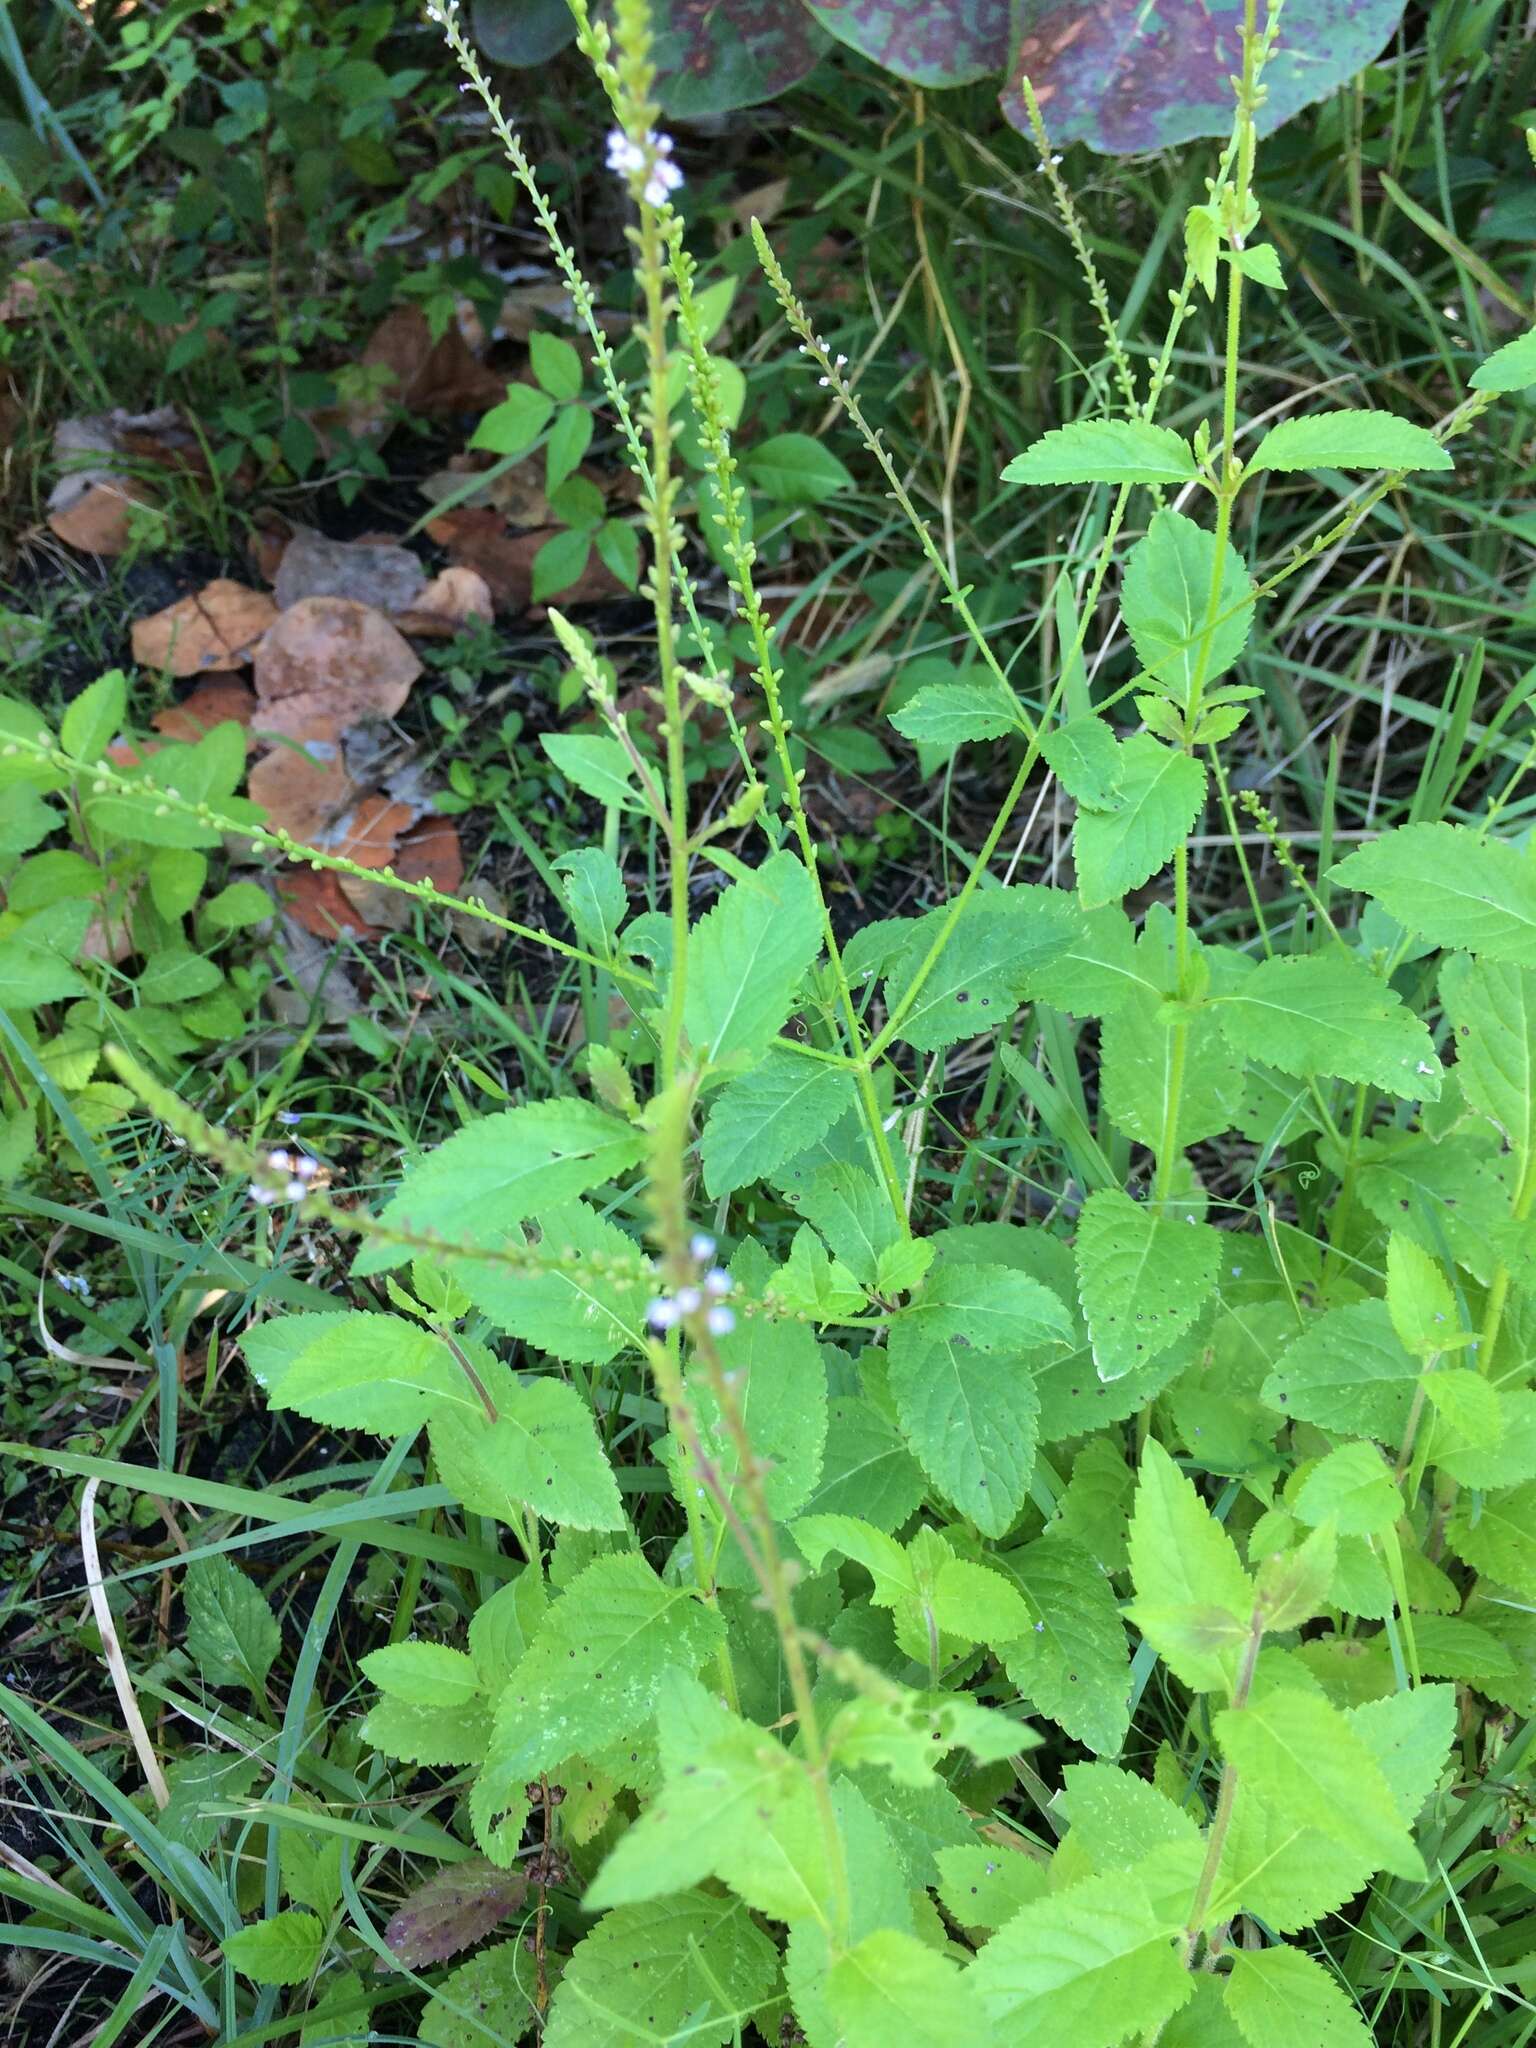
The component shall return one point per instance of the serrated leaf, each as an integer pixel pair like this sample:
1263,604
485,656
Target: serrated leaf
1348,1374
1084,755
947,714
1194,1602
890,1566
1510,368
690,1967
1118,1819
425,1674
232,1634
910,1734
1409,1734
1491,1008
1089,1964
451,1910
542,1452
495,1173
983,1887
1328,1014
93,718
780,1385
1344,439
586,1305
374,1372
867,1472
428,1735
1167,595
766,1116
494,1993
1450,885
853,1213
1073,1663
1145,1071
1105,452
1142,1279
891,1987
596,765
747,957
1419,1300
1097,971
593,887
1156,803
283,1950
1281,1998
1294,1749
1352,1488
593,1672
1001,938
1496,1534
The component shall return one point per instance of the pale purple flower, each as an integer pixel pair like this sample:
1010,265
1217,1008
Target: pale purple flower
701,1246
720,1322
717,1283
662,1314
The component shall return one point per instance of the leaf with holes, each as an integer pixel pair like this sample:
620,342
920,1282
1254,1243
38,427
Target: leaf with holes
1142,1279
1072,1664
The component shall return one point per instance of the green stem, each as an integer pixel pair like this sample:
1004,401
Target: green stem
1221,1821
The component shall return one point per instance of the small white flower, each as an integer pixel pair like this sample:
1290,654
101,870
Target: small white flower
75,1283
624,156
305,1167
289,1117
265,1197
720,1322
279,1162
701,1247
665,178
662,1314
689,1300
717,1283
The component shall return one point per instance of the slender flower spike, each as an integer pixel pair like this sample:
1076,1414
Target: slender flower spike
650,159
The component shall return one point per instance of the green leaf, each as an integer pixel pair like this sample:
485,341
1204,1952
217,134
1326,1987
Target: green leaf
618,549
423,1674
890,1987
1491,1008
1084,755
881,1555
946,714
1098,970
283,1950
747,958
853,1213
965,1395
593,1672
1194,1602
1348,1374
491,1175
374,1372
35,958
1118,1819
1261,262
1281,1998
866,1469
1328,1014
498,1988
983,1887
909,1734
1145,1073
596,765
781,1388
1510,368
1348,440
1091,1964
1142,1279
1300,1753
541,1452
1073,1664
663,1966
555,364
766,1116
594,894
1165,599
1496,1535
734,1804
428,1735
1000,938
795,469
95,717
1105,452
177,975
1409,1734
587,1306
1419,1298
559,565
1159,797
1450,885
1352,1488
241,904
569,439
512,427
232,1634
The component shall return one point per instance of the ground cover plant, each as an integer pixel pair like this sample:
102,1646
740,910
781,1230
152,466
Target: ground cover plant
964,1472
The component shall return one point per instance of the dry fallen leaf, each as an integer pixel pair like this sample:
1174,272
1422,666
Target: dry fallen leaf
447,605
369,835
217,698
215,628
425,376
477,538
388,577
429,852
314,899
517,493
326,663
303,788
96,517
89,506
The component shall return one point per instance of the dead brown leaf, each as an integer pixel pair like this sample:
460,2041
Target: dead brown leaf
369,835
217,698
96,517
215,628
516,493
447,605
425,376
429,852
477,538
388,577
326,663
303,788
314,899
